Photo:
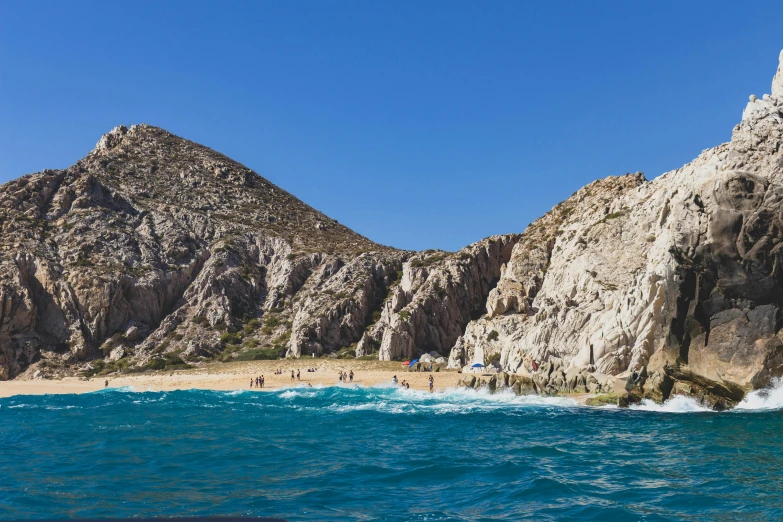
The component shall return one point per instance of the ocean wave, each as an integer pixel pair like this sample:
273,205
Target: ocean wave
676,404
398,400
766,399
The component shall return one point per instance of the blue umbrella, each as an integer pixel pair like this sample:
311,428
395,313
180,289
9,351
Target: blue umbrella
414,361
477,365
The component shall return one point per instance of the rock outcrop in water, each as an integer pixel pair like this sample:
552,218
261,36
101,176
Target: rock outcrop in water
154,251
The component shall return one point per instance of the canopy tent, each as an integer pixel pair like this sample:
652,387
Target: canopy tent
406,363
477,365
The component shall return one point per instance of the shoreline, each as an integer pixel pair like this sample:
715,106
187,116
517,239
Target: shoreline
236,376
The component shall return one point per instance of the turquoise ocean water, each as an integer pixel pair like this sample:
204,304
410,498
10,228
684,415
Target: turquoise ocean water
350,453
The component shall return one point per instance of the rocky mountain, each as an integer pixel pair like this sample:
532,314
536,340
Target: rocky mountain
154,251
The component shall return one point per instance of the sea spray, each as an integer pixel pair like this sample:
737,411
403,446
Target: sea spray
766,399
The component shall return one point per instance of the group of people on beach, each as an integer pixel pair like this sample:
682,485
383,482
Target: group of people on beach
259,381
345,377
407,385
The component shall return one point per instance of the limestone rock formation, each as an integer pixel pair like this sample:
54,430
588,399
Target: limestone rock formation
679,276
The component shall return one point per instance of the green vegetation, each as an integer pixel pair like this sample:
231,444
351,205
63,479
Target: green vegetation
283,338
404,315
271,321
169,361
347,352
249,344
251,326
266,353
393,284
429,260
101,367
603,399
492,359
493,336
230,338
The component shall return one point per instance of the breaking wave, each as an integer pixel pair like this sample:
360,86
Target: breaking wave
676,404
766,399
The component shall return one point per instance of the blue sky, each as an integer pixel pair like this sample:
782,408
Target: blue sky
418,124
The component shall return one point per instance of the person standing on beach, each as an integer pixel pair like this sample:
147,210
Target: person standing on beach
432,384
297,375
350,376
251,382
340,376
292,376
106,384
262,381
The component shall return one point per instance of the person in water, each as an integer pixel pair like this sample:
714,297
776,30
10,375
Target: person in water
394,380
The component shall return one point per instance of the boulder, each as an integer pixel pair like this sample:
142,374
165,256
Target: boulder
132,334
117,353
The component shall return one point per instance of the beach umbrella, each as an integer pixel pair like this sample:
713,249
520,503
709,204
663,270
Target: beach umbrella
406,363
477,365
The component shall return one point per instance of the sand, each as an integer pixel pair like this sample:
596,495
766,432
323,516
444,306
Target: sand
234,376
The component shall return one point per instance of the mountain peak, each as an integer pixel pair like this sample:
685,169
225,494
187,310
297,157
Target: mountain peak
777,81
759,108
111,138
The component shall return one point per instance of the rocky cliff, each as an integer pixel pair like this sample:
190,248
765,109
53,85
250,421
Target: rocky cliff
154,251
678,278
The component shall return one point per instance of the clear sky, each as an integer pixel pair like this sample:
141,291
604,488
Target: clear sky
420,124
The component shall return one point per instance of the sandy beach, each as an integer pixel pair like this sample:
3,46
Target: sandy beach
234,376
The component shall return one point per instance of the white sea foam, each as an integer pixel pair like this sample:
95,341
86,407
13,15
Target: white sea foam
676,404
767,399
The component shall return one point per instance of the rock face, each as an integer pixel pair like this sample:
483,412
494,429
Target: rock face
680,276
436,297
156,247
